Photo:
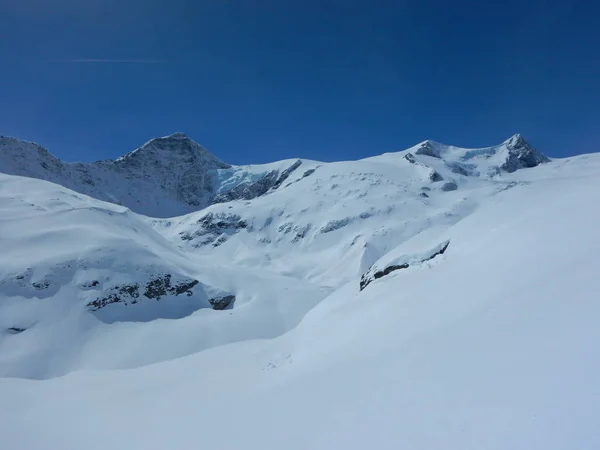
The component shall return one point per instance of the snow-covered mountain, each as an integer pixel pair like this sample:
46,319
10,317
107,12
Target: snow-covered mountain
436,297
174,175
165,177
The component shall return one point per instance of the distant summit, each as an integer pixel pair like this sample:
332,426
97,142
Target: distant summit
177,145
521,154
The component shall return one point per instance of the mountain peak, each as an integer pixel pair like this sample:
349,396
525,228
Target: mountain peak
177,136
522,154
516,141
175,146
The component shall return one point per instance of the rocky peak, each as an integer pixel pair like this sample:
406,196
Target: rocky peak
429,148
516,141
175,148
177,135
19,157
521,154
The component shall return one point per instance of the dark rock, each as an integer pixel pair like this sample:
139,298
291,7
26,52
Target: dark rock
15,330
155,289
162,286
90,284
219,241
301,232
41,285
522,155
285,228
449,186
333,225
215,227
434,176
427,149
423,194
220,303
286,173
410,158
463,168
308,172
248,191
368,277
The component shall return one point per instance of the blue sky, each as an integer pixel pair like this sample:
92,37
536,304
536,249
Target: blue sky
261,80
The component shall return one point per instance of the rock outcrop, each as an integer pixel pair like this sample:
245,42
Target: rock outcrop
156,288
377,271
249,190
522,155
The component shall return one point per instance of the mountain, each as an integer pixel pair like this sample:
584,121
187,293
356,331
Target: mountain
165,177
173,175
436,297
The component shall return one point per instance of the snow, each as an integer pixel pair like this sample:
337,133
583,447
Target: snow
490,345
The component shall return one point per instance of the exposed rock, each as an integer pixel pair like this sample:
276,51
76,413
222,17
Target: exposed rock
220,240
156,288
286,173
463,168
410,158
15,330
335,225
215,226
374,274
41,285
522,155
301,232
161,286
434,176
220,303
175,174
248,191
285,228
449,186
423,194
308,172
428,149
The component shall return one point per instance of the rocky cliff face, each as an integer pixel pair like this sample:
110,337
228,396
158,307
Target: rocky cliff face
522,155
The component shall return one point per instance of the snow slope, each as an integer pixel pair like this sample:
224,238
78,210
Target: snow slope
71,266
348,214
490,344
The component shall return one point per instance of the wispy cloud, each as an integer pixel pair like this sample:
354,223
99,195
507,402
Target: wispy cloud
110,61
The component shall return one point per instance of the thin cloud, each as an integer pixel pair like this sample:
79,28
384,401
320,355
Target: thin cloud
110,61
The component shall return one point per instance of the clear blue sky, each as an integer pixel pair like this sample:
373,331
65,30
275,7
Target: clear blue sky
261,80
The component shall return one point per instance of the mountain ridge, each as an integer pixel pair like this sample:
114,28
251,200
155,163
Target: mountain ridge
174,175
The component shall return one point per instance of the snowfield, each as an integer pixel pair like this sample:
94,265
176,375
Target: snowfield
435,298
